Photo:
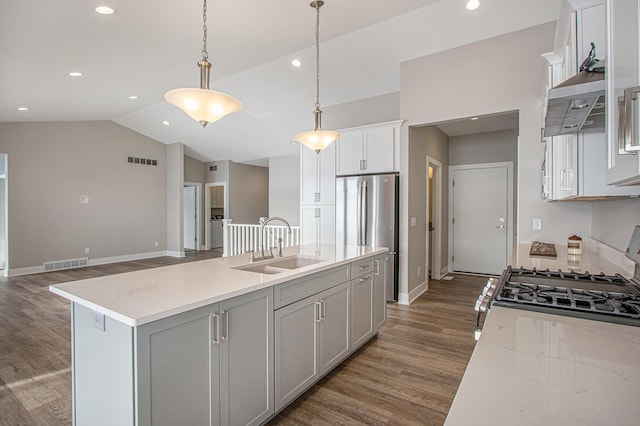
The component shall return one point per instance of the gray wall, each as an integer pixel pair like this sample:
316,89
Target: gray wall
193,170
613,221
50,165
495,75
248,192
174,206
219,175
284,188
377,109
425,141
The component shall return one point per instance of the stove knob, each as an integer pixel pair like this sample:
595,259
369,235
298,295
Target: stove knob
478,302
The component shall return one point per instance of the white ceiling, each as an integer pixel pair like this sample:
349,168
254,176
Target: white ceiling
147,48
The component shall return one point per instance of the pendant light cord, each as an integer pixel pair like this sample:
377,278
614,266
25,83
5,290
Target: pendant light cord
317,55
205,54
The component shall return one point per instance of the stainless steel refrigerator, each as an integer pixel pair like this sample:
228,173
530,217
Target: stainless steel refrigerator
367,214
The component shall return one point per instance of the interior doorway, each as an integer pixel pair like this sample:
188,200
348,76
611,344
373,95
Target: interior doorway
191,215
4,208
434,218
481,212
216,208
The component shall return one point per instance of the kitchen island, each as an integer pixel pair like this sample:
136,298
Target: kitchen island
531,368
220,341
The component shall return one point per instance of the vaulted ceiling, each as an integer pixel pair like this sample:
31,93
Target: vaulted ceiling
146,48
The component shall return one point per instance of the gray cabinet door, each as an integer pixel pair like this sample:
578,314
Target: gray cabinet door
361,310
173,369
381,263
295,349
333,328
246,362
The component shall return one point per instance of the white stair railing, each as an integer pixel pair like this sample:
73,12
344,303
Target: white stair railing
242,238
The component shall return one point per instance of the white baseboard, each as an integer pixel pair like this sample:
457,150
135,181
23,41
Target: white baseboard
444,271
13,272
175,253
408,298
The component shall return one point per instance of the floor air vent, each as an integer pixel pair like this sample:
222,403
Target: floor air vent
65,264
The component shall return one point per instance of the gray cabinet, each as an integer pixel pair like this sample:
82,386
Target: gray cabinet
311,329
362,302
209,366
381,263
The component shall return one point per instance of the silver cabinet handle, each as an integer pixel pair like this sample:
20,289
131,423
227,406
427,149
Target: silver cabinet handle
377,267
216,329
622,126
362,267
566,179
318,311
225,313
363,279
631,142
323,311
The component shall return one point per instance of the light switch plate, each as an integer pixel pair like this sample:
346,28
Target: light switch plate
413,221
537,224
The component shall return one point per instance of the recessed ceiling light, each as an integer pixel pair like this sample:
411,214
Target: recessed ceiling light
474,118
296,63
104,10
75,74
23,108
133,97
473,4
166,123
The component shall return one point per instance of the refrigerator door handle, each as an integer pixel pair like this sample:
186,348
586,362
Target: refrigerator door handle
362,217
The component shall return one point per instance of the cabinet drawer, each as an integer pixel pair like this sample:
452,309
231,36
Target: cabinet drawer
298,289
361,267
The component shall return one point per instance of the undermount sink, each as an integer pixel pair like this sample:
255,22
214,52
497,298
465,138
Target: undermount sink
281,264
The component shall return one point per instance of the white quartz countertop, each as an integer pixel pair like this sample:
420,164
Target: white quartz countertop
136,298
531,368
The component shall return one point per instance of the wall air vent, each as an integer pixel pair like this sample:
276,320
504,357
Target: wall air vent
145,161
65,264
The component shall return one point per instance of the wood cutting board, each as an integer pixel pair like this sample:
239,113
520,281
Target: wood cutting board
542,249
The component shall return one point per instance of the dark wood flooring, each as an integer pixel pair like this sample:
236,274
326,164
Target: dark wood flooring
407,375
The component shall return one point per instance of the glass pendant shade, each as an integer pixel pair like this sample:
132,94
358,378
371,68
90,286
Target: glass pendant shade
318,139
203,105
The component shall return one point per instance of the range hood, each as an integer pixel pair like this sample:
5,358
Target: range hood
576,105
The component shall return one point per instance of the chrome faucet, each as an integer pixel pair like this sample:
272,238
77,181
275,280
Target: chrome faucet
261,239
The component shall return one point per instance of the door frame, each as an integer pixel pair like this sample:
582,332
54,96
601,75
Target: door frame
198,187
207,208
510,206
434,259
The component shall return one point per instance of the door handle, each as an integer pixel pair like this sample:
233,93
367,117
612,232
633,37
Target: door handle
216,329
500,226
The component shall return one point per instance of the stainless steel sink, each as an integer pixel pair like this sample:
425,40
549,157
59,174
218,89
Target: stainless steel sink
280,264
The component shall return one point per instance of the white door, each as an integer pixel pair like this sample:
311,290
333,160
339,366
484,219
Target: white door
189,213
480,222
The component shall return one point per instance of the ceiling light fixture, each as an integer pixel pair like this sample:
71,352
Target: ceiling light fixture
166,123
474,118
133,97
203,105
473,4
104,10
318,139
75,74
296,63
23,108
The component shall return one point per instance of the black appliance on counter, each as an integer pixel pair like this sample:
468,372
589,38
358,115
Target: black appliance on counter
611,298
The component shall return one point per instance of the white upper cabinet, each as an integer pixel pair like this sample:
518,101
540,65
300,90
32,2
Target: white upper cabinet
622,92
318,175
369,149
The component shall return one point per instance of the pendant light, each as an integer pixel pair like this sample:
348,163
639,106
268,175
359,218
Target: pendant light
318,139
203,105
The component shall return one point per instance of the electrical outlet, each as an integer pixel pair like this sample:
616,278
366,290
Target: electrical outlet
418,271
84,199
537,224
86,250
155,244
97,320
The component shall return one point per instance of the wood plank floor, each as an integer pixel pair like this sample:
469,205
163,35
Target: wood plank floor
407,375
